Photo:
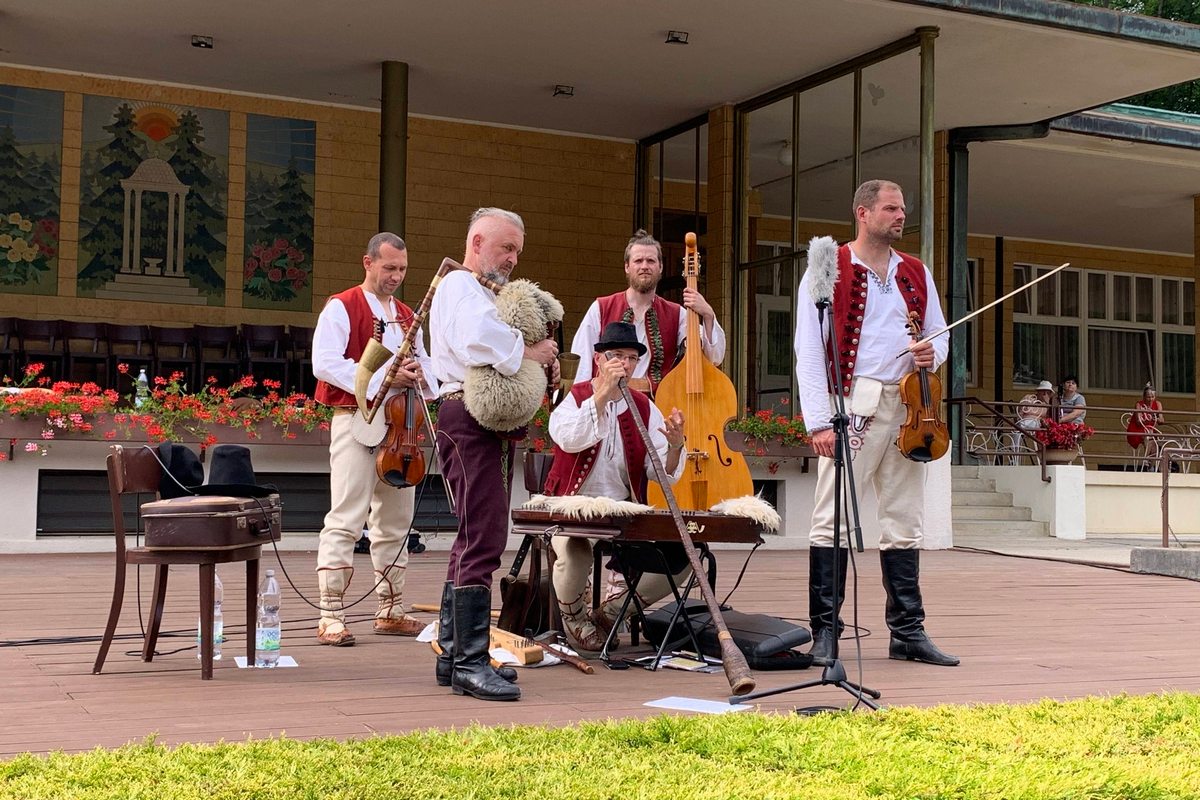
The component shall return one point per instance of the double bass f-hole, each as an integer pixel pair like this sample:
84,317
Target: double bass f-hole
723,460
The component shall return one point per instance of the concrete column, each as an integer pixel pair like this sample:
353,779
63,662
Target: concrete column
393,147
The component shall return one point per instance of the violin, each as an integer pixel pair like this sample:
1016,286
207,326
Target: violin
708,400
399,461
923,435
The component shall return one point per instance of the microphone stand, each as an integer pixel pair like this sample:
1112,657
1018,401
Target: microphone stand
834,673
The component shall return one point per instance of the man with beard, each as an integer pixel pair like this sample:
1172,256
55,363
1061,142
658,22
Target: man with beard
876,287
344,327
660,324
466,331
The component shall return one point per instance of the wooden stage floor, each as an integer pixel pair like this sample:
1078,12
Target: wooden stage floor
1025,629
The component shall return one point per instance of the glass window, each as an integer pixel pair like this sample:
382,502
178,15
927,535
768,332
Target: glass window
1047,294
1179,363
1170,302
1020,278
1068,282
1044,352
1122,289
1097,283
1189,303
1119,359
1144,299
890,134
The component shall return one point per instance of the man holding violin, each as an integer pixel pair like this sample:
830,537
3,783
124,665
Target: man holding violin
347,322
661,325
875,290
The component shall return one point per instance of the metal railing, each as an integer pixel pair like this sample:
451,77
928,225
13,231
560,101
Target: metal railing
994,437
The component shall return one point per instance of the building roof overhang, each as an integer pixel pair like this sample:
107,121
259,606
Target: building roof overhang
997,61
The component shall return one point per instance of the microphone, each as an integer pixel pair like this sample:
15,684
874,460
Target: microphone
823,269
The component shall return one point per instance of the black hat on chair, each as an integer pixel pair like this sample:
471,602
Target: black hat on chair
231,473
181,470
617,335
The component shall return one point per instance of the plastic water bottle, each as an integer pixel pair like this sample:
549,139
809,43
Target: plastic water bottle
218,621
266,640
141,389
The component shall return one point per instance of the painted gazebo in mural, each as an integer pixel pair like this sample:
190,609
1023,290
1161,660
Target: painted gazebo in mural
153,175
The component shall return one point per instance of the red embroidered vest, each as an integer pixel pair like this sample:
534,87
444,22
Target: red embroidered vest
850,303
664,351
569,470
362,328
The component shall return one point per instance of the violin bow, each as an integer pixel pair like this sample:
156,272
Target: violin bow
737,671
929,337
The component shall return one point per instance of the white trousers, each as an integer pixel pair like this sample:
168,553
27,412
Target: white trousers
572,578
357,496
899,483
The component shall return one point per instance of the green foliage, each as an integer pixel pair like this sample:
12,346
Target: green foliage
1184,97
1122,747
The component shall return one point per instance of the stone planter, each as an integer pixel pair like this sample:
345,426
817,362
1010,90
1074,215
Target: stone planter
752,447
1054,455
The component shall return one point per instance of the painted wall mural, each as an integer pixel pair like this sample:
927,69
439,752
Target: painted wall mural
153,194
31,124
281,156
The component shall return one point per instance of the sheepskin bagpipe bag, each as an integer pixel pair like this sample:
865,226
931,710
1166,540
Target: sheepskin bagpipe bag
505,402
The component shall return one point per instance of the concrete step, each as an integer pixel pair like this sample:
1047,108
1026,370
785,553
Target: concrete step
993,513
981,499
1001,528
972,484
964,471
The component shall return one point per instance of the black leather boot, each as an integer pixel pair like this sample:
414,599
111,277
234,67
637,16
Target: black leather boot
826,624
473,673
905,611
445,659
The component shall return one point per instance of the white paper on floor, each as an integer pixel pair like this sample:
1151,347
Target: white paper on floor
284,661
697,705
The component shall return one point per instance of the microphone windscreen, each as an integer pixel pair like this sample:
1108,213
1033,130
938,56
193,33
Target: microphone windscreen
822,268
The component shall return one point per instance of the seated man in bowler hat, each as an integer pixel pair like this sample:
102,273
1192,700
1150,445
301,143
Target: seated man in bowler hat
598,452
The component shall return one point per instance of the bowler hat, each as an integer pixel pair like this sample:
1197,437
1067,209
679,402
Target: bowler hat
617,335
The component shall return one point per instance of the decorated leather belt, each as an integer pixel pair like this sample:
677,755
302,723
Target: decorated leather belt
340,411
451,396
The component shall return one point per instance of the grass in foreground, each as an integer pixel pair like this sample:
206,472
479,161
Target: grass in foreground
1122,747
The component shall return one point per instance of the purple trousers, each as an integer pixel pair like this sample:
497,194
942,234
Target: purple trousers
477,464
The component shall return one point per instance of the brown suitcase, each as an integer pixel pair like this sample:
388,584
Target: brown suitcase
211,523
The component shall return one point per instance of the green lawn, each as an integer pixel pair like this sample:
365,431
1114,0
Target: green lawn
1121,747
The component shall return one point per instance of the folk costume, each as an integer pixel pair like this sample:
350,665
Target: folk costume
477,463
601,458
870,317
661,332
343,329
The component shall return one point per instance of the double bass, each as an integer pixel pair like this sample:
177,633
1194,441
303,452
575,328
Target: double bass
708,400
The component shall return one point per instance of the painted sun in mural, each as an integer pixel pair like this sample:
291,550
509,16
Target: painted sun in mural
155,120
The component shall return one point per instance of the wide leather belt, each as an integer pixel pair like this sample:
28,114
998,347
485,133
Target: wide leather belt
451,396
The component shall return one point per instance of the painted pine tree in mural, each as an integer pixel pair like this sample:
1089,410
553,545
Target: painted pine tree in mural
279,268
197,170
104,215
30,170
280,169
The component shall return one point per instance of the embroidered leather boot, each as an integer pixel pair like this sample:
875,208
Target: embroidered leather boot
905,610
823,617
473,673
390,619
445,640
332,584
581,631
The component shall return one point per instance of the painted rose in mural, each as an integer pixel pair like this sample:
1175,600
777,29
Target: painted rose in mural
26,247
276,271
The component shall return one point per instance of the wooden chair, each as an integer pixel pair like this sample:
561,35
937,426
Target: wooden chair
9,348
266,353
131,345
41,342
218,353
87,350
303,380
174,351
139,471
